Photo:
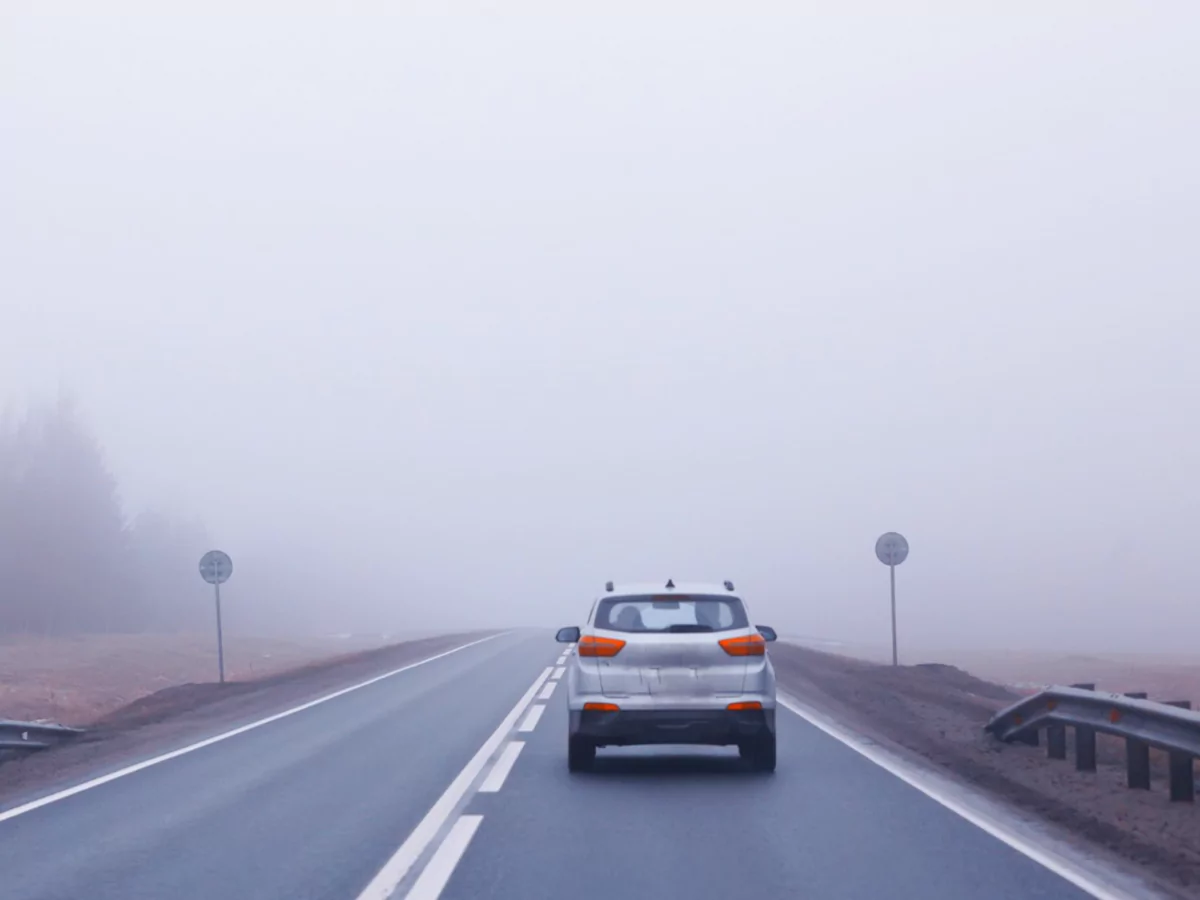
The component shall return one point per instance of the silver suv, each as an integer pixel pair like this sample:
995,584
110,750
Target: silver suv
668,664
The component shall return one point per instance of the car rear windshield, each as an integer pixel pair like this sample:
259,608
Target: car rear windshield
671,614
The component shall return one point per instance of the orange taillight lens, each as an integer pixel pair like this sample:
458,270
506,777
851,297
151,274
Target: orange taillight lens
602,707
745,645
748,704
590,645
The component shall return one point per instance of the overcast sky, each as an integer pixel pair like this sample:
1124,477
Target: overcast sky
497,305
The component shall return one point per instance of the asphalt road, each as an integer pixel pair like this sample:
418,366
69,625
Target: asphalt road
367,791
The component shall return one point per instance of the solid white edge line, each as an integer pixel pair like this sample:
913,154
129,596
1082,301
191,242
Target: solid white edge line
396,868
500,769
558,673
534,716
437,873
208,742
927,784
547,690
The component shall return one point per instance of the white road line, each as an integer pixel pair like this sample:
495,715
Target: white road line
533,718
435,875
558,673
942,791
208,742
394,870
501,768
547,690
562,661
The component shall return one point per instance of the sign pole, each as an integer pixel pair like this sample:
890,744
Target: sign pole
221,642
895,657
892,549
216,567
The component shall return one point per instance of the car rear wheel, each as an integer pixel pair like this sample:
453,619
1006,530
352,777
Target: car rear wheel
581,754
760,753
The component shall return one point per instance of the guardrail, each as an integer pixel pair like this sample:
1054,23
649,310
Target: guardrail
26,737
1168,726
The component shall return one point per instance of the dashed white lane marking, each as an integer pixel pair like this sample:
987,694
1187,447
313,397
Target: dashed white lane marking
943,792
396,868
208,742
534,716
558,673
562,661
501,768
547,690
435,875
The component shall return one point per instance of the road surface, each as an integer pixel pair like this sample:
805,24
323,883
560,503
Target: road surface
449,779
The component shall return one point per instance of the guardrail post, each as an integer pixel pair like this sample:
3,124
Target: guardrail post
1137,755
1085,740
1183,772
1056,741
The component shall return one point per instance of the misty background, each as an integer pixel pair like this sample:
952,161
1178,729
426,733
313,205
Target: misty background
436,319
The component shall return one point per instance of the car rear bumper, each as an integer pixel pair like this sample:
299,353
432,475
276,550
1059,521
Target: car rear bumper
671,726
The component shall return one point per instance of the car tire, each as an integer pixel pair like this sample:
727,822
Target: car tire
760,753
581,754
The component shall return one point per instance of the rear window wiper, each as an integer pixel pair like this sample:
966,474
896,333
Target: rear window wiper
689,629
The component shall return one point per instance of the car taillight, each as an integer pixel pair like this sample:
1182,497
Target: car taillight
744,705
590,645
745,645
601,707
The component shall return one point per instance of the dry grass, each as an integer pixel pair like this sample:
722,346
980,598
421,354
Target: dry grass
1163,677
78,680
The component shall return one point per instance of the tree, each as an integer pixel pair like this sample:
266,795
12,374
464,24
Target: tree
65,563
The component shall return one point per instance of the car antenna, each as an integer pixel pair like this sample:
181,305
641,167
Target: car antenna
670,583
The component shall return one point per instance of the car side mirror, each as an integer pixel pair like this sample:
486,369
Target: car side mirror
767,632
567,635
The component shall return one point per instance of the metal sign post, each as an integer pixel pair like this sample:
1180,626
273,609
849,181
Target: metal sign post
215,568
221,639
891,550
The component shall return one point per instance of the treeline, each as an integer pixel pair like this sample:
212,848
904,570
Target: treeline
74,561
71,562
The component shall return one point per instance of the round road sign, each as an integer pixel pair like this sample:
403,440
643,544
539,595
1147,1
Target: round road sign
216,567
891,548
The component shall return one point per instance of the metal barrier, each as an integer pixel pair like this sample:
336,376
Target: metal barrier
25,737
1171,727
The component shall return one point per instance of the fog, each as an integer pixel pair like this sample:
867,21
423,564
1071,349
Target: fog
468,313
